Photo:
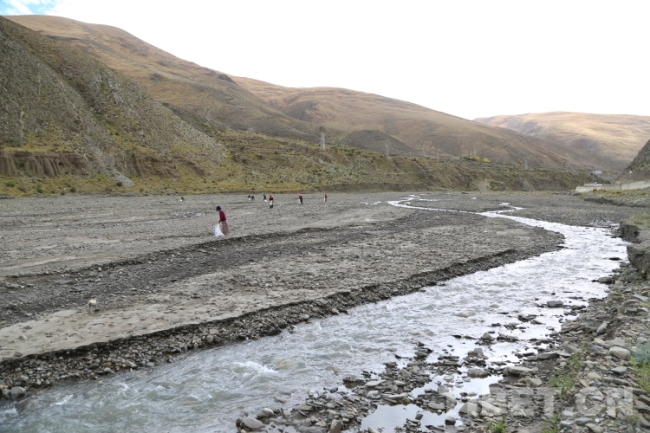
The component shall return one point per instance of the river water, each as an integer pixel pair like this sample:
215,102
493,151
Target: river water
206,391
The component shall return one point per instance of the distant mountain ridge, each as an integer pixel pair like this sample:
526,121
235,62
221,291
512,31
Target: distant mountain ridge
420,128
616,138
228,102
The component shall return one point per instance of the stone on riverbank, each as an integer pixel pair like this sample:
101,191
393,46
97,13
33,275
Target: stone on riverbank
620,352
251,424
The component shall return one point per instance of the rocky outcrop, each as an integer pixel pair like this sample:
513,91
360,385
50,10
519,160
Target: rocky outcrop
640,165
43,164
639,257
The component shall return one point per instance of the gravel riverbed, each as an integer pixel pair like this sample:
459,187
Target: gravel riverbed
164,285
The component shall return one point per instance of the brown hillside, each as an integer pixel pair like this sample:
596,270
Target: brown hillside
615,137
376,141
420,128
210,94
72,124
296,113
64,113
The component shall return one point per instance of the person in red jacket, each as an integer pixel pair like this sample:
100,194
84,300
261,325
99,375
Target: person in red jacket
223,221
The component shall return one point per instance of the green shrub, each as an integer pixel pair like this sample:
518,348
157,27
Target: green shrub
499,427
642,355
554,426
564,384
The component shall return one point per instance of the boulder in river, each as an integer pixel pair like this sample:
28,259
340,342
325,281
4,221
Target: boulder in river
516,370
477,372
250,424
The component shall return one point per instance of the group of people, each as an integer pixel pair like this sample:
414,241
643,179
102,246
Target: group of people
223,220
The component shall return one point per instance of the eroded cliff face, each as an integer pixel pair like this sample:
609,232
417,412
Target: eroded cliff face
64,113
43,164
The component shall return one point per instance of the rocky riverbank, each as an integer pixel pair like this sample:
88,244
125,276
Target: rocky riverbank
593,376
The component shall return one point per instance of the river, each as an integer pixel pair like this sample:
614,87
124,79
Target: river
206,391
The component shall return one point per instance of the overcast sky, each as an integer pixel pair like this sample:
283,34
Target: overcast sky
467,58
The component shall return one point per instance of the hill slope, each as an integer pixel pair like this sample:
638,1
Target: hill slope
70,123
376,141
418,127
207,93
615,137
64,113
245,104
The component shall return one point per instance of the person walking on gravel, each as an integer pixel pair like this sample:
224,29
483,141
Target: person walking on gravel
300,198
271,200
223,221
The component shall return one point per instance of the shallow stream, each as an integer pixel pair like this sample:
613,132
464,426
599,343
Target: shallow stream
206,391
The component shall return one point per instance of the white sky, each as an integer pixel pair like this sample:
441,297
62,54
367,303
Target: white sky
471,58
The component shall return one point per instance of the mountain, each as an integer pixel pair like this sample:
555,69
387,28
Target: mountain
65,113
420,128
227,102
615,137
70,123
211,95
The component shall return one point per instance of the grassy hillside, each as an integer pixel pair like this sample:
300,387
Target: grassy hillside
250,105
209,94
259,163
615,137
66,114
420,128
377,142
71,124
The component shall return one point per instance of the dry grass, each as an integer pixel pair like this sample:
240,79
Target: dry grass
169,79
259,163
418,127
